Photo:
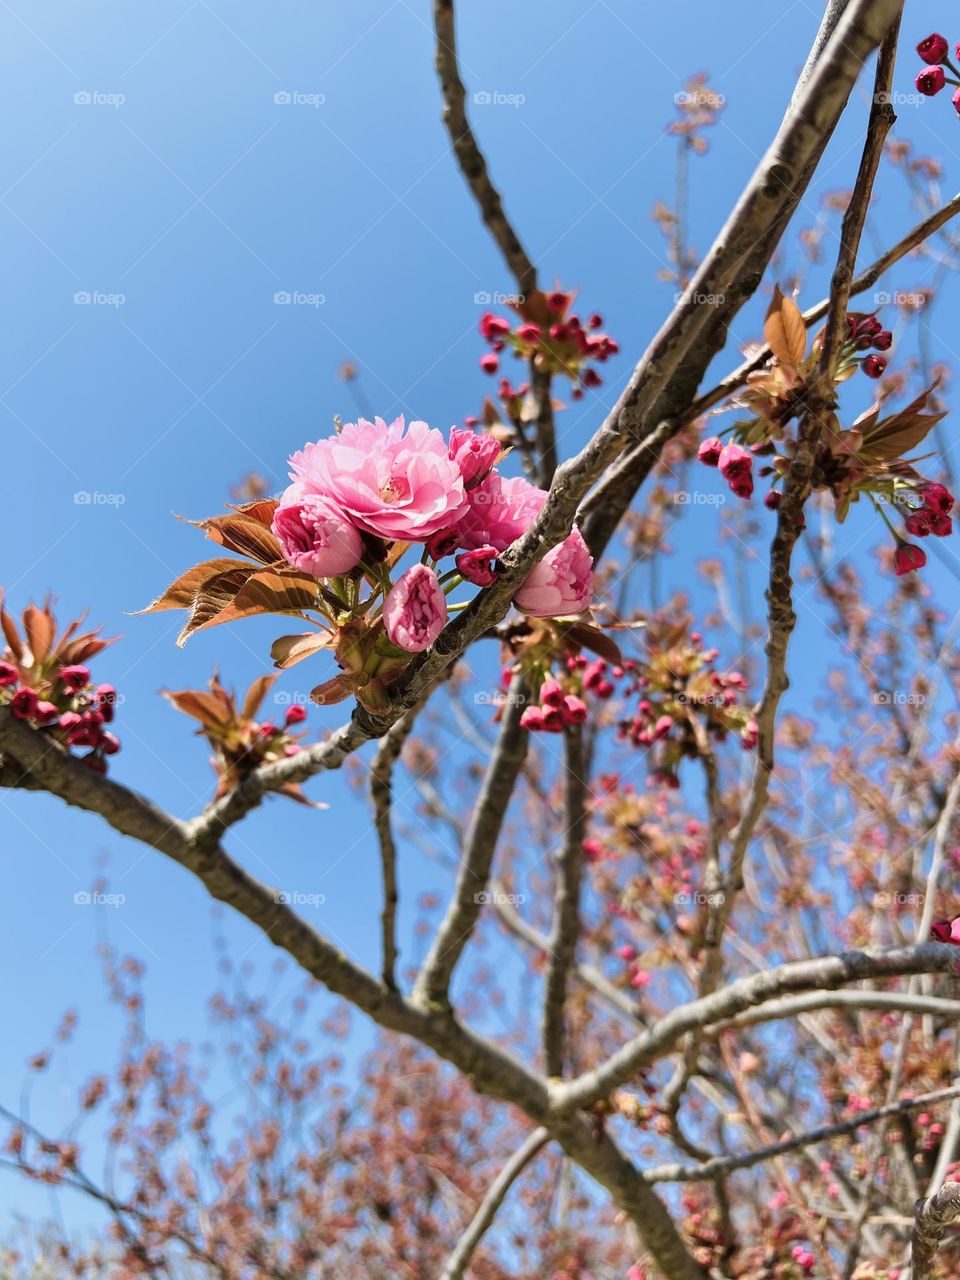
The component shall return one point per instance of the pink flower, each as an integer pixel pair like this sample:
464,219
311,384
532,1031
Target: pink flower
933,49
8,674
395,485
478,566
931,81
314,534
532,719
499,510
710,450
574,709
907,558
74,678
23,704
473,453
735,463
562,582
415,610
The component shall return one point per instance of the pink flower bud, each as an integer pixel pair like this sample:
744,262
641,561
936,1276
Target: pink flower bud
773,499
474,453
874,366
593,850
553,720
591,378
937,497
558,302
74,678
415,610
710,450
908,558
492,327
46,713
933,49
595,321
734,462
956,98
443,543
295,714
532,719
561,583
662,727
478,566
8,674
489,363
24,702
109,744
883,340
529,333
315,535
574,709
931,81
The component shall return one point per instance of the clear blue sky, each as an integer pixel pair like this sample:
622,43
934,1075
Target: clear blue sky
182,186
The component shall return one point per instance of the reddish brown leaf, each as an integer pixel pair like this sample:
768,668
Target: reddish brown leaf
289,650
239,532
40,628
10,632
261,509
266,591
181,594
255,695
210,709
596,641
784,330
214,598
337,689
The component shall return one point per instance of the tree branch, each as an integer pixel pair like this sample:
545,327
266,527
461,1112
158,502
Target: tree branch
934,1215
381,794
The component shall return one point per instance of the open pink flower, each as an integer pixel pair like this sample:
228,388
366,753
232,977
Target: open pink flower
499,511
399,486
561,583
314,534
415,610
473,453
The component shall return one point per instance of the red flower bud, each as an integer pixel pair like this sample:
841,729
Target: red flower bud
908,558
489,363
478,566
574,709
884,340
933,49
8,674
773,500
956,98
710,450
553,720
74,678
532,719
595,321
558,302
937,497
591,378
109,744
24,703
492,326
46,712
529,332
443,543
295,714
874,366
931,81
734,462
551,693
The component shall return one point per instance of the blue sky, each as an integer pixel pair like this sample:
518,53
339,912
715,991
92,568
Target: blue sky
148,165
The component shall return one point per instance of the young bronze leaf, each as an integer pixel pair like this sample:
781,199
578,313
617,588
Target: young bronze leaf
181,594
265,591
901,432
213,598
11,633
205,707
239,532
255,695
289,650
261,509
596,641
784,330
337,689
40,628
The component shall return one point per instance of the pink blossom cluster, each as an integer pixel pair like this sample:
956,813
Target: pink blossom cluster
561,697
866,333
376,483
73,710
735,464
933,516
560,343
935,52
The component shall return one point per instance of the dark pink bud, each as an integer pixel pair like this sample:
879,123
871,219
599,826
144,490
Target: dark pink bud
710,450
931,81
592,850
529,333
933,49
553,720
558,302
662,727
489,363
492,326
773,500
70,721
109,744
919,523
742,486
532,719
443,543
591,378
551,693
908,558
8,674
883,340
734,462
295,714
574,709
874,366
595,321
937,497
478,566
956,98
24,703
74,678
46,712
